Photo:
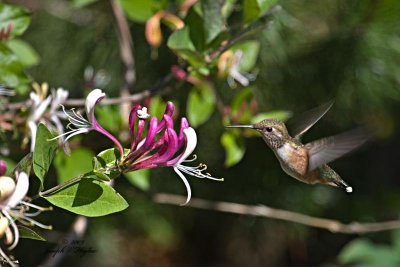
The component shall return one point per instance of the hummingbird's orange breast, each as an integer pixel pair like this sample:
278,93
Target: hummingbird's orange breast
294,159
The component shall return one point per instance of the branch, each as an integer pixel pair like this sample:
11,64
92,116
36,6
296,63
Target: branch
268,212
159,88
125,45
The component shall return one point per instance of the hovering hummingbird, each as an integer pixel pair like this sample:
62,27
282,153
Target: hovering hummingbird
308,162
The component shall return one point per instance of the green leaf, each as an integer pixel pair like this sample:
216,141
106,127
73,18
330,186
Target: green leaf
213,21
82,3
356,250
233,148
157,107
43,153
24,165
244,95
201,104
253,9
194,22
17,16
140,179
105,164
11,69
24,52
88,197
265,5
281,115
181,43
109,117
79,162
250,50
139,10
180,40
25,232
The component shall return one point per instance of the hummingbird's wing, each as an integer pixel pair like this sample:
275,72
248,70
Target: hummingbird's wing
330,148
301,124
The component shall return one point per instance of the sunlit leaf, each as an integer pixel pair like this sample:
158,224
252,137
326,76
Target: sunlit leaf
139,10
24,52
88,197
180,40
17,16
201,104
233,148
77,163
11,69
105,163
44,152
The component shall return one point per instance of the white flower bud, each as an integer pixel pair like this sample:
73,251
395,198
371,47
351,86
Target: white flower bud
3,225
7,187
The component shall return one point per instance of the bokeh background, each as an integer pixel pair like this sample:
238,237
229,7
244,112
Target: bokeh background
313,52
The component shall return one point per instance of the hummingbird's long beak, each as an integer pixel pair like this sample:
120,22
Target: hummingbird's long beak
241,126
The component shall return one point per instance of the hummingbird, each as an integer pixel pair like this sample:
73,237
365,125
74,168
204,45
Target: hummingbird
308,162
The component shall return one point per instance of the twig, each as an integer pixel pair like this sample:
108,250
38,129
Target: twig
125,45
159,88
268,212
253,28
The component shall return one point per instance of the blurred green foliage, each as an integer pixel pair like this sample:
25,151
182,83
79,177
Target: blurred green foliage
312,51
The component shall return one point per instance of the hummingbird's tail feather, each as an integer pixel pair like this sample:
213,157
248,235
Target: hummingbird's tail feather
344,185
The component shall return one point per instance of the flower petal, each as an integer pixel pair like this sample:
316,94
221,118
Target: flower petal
147,144
191,142
92,99
20,191
187,185
3,167
169,110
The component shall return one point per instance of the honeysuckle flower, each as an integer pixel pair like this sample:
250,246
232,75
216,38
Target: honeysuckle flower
161,146
168,150
45,108
230,62
14,208
153,27
79,124
39,104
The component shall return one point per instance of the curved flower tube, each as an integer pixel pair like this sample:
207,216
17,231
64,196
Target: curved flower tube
168,150
161,146
78,124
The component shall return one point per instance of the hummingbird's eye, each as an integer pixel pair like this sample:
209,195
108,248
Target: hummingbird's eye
269,129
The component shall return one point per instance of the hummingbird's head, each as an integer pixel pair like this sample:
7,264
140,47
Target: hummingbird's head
273,131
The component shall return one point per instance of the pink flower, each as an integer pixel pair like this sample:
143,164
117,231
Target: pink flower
162,146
